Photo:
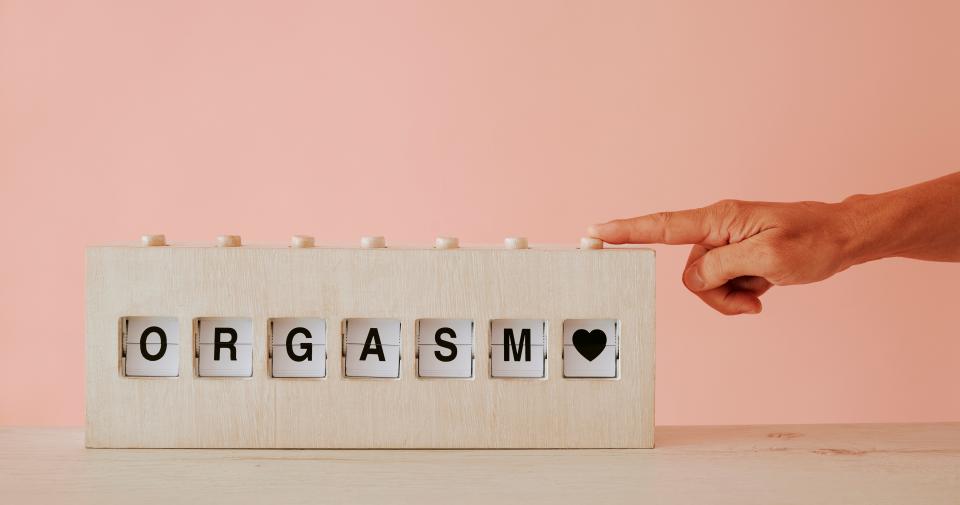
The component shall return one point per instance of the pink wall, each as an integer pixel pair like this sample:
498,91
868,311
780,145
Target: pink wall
481,120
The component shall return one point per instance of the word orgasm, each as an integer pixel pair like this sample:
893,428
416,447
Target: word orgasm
371,347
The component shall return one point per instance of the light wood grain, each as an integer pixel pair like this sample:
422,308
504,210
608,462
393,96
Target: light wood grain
340,412
736,465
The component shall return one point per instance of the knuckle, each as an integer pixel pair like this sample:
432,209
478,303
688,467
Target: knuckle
712,266
855,198
719,269
663,219
727,311
730,206
721,306
777,260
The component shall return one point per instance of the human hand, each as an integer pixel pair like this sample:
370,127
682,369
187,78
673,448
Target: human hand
741,249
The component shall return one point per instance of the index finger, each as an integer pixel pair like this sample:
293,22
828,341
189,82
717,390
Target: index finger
680,227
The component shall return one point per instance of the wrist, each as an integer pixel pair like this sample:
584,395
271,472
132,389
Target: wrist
865,222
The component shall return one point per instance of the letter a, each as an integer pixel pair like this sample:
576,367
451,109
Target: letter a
372,345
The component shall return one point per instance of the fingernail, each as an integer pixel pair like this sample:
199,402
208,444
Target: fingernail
694,281
594,230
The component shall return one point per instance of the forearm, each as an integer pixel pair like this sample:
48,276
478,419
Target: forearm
920,221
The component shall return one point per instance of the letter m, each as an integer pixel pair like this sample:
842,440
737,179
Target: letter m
510,344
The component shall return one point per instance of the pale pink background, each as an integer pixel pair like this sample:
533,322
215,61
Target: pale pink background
482,120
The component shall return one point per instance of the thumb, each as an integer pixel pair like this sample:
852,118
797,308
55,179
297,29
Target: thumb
721,264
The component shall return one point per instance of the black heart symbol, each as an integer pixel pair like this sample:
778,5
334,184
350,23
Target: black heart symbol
589,343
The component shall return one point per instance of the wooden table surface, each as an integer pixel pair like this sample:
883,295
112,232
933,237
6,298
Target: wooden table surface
844,464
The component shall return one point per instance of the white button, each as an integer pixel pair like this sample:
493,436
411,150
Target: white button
518,347
590,347
153,240
301,241
226,346
228,241
373,242
447,243
372,347
299,347
515,243
445,348
591,243
151,346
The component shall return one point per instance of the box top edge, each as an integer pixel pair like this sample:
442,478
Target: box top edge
400,247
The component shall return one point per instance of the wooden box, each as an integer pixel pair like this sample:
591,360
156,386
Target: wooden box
261,411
